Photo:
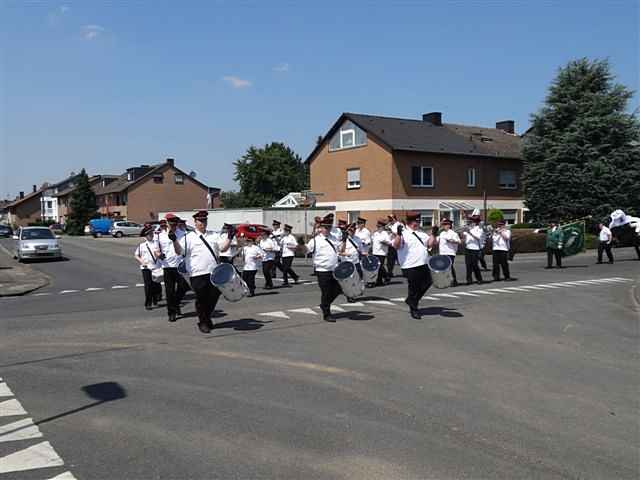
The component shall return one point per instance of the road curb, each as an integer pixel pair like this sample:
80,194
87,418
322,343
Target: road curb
19,279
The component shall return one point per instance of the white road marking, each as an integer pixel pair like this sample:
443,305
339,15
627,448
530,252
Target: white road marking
533,288
516,289
41,455
5,391
9,408
379,302
467,294
500,290
445,295
139,284
336,308
308,311
546,286
560,284
483,292
20,430
64,476
429,298
354,304
398,299
274,314
93,289
68,291
40,294
116,287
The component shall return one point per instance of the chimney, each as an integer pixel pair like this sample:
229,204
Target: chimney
434,118
171,162
35,188
508,126
21,195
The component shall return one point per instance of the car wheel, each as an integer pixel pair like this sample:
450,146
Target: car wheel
118,234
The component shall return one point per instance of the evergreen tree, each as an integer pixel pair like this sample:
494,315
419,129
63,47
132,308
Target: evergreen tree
582,154
267,174
82,206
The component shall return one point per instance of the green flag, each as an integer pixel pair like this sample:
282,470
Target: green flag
574,238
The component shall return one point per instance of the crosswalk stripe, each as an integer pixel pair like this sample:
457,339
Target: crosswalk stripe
516,289
531,287
63,476
500,290
9,408
40,294
379,302
336,308
560,284
466,294
398,299
41,455
68,291
446,295
116,287
5,391
308,311
274,314
354,304
20,430
482,292
546,286
93,289
429,298
139,284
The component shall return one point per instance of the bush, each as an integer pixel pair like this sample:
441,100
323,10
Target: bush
518,226
494,215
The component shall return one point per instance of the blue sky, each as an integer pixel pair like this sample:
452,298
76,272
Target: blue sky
107,85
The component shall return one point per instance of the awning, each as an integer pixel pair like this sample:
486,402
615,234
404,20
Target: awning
455,206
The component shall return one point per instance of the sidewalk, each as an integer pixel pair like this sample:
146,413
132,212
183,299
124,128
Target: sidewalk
16,278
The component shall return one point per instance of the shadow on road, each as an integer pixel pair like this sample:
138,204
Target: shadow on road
243,324
356,315
442,311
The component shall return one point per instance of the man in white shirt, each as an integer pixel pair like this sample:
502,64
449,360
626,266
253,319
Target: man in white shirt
169,260
604,243
288,245
501,243
411,245
363,233
380,244
392,255
267,245
231,252
474,239
148,262
276,235
448,242
201,249
252,257
324,250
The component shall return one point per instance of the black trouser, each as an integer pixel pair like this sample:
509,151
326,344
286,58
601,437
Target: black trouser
471,258
383,276
481,259
418,282
453,270
173,291
554,252
277,263
206,297
152,290
500,259
637,247
286,264
249,277
183,287
605,247
267,271
392,256
329,288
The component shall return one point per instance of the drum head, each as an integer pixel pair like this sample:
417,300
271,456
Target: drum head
370,263
439,263
344,270
222,273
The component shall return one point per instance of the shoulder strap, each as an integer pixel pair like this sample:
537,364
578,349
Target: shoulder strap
352,243
159,243
152,256
206,244
420,240
331,244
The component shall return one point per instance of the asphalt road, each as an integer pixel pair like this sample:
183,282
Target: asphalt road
537,382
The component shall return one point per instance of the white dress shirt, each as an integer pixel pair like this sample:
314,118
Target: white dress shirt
289,245
165,246
380,240
605,235
269,247
353,246
412,251
500,243
448,242
472,243
146,251
394,227
252,257
198,258
325,253
276,236
232,251
365,236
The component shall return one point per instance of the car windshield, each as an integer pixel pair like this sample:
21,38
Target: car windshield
37,234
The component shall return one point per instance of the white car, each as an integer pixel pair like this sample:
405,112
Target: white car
122,229
36,242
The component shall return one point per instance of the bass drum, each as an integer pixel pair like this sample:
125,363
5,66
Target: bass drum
226,279
157,275
349,279
370,266
440,267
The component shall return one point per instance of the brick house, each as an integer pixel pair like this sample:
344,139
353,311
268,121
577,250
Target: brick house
372,166
26,209
63,196
141,192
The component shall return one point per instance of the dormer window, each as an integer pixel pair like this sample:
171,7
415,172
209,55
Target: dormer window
129,176
349,136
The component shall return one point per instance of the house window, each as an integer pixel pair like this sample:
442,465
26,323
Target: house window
349,136
49,204
352,217
179,178
422,176
158,178
507,179
353,178
471,177
426,218
129,177
509,216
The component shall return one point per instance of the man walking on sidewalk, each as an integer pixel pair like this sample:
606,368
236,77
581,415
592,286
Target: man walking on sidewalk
604,243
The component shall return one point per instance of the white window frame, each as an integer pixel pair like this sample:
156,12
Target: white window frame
352,216
427,214
471,177
343,133
349,184
508,186
422,185
178,176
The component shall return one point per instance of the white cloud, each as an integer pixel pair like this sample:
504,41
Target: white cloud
236,82
281,67
90,32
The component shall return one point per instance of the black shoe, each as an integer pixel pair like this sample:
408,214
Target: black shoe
204,327
610,263
598,263
510,279
172,317
497,279
455,283
481,282
179,312
147,307
285,284
548,267
296,281
251,294
327,317
415,314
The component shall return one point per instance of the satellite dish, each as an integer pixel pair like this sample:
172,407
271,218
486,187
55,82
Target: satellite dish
192,174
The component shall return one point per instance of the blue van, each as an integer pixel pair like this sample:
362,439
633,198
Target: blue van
100,226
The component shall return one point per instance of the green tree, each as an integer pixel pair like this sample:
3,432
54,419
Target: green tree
232,199
493,215
82,206
267,174
582,154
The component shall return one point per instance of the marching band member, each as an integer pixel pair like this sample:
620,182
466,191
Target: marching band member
268,247
276,236
363,234
604,243
474,239
411,245
183,285
148,261
448,242
337,232
392,255
325,259
169,260
380,245
231,252
289,245
352,248
201,249
554,243
501,238
252,256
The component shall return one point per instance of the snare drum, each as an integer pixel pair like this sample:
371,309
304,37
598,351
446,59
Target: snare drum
370,266
157,275
226,279
349,279
440,266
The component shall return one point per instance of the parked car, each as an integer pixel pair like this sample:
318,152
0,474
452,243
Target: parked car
121,229
100,226
5,231
250,230
56,228
36,242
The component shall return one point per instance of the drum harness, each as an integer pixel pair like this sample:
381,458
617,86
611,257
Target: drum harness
152,256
